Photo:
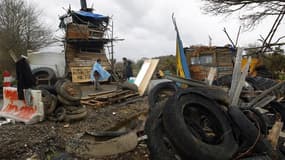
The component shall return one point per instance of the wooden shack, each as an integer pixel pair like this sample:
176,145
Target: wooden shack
201,58
85,42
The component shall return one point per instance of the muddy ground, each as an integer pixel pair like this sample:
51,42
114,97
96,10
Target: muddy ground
46,140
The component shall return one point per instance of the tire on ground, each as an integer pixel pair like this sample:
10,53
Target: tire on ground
179,128
166,88
53,105
70,110
51,89
249,131
67,102
58,115
213,93
75,117
48,102
70,91
58,84
155,133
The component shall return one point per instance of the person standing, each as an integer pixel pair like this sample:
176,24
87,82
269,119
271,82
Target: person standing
24,76
98,74
128,71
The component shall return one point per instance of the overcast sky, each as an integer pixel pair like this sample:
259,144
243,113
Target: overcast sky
147,27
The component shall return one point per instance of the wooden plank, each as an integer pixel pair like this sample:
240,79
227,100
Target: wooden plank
211,75
94,103
123,97
145,74
110,98
112,95
77,31
100,93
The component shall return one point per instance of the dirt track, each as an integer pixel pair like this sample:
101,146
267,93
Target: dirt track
46,140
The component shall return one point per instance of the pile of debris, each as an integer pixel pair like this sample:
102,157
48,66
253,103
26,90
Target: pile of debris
197,123
202,121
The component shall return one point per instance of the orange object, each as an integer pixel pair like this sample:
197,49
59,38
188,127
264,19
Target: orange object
254,63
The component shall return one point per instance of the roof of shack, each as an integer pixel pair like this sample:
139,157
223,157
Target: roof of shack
91,16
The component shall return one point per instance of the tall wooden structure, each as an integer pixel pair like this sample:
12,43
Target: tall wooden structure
84,41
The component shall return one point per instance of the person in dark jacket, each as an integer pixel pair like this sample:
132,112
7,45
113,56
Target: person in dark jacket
128,71
25,78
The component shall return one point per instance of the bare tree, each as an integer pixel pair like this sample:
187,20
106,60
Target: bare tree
252,11
20,27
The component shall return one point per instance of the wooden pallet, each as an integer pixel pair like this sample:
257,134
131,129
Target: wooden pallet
108,98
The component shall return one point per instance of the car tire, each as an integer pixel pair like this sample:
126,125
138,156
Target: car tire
70,91
183,134
58,84
58,115
51,108
75,117
214,93
155,132
66,102
70,110
166,88
249,131
51,89
48,101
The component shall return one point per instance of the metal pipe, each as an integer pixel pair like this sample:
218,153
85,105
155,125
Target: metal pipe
83,5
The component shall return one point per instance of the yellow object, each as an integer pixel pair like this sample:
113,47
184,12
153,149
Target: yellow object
254,63
161,74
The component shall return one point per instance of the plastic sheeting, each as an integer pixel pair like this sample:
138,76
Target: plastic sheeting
91,15
104,75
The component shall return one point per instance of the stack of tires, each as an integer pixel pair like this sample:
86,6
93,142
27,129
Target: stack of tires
197,123
49,100
62,101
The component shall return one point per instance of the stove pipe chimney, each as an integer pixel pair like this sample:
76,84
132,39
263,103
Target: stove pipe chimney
83,5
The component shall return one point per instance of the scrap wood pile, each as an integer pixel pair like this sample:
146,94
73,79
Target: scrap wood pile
108,98
208,122
62,101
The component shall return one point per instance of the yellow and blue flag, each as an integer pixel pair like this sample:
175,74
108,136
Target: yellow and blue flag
181,62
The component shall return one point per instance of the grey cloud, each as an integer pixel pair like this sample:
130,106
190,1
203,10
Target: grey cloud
147,28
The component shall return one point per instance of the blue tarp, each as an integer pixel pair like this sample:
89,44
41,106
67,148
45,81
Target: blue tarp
93,16
104,75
